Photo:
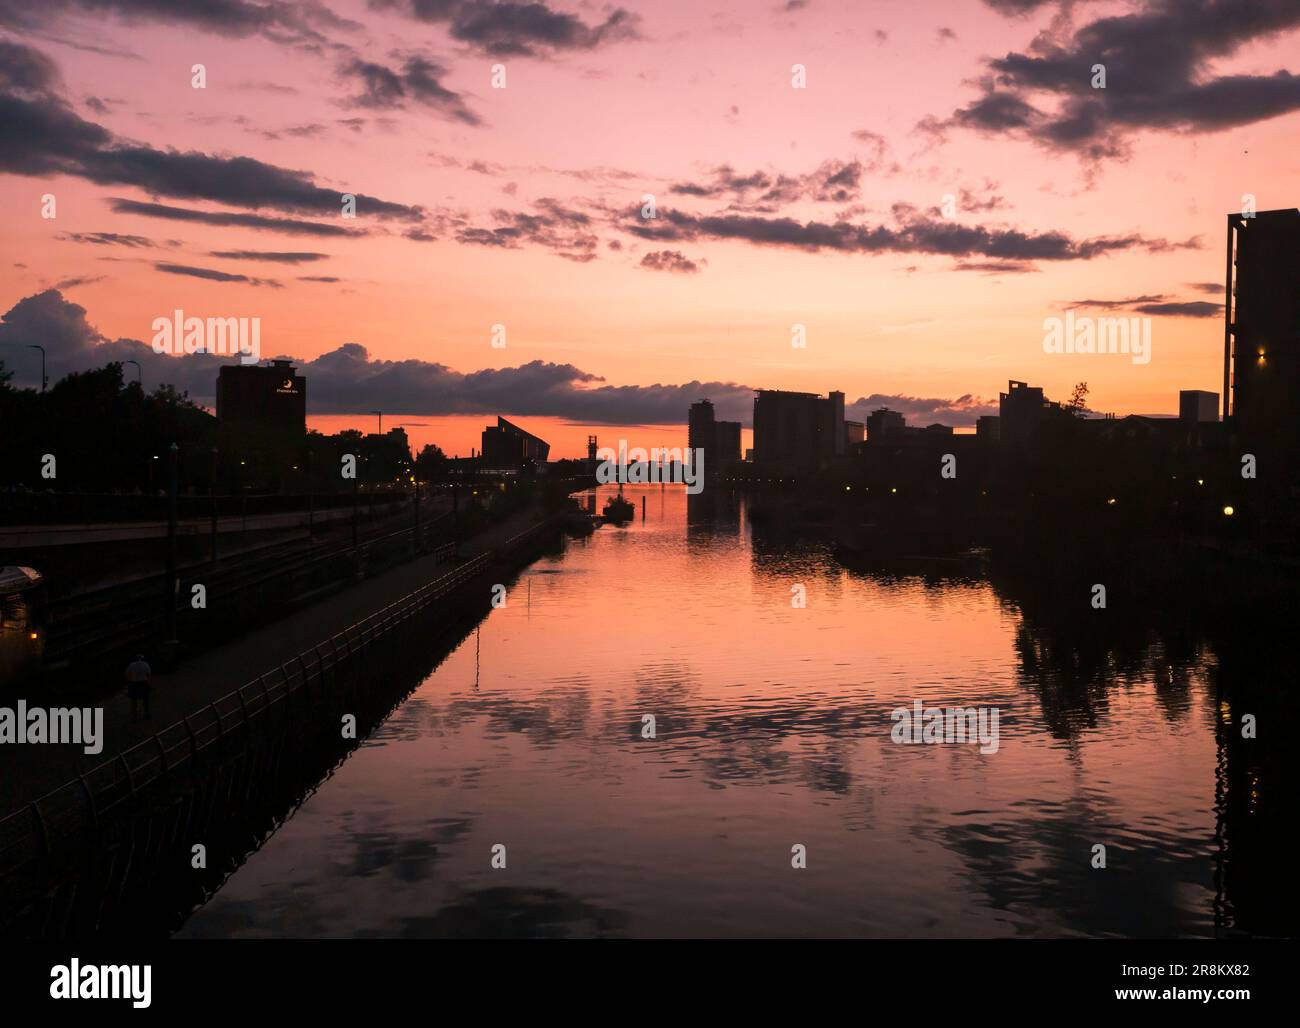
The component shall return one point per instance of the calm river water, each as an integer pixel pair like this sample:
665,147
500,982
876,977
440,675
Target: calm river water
772,727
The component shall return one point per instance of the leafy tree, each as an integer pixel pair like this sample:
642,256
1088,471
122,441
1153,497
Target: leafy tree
1078,399
431,464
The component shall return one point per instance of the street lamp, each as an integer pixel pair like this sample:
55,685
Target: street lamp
139,375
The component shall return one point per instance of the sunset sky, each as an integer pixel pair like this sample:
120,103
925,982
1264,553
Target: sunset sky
521,206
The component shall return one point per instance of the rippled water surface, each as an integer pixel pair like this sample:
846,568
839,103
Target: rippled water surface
773,730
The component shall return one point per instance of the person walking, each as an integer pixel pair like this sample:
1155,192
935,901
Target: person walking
138,687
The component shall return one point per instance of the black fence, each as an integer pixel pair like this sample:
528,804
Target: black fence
54,508
101,625
68,858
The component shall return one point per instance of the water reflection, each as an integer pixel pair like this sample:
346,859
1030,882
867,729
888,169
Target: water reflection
772,728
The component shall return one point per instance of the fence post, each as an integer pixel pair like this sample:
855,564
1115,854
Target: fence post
130,781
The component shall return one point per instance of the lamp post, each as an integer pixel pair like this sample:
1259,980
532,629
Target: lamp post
139,375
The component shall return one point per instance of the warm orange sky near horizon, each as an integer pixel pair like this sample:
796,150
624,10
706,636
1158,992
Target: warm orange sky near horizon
528,196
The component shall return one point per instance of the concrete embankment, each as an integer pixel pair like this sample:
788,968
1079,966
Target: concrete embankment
27,772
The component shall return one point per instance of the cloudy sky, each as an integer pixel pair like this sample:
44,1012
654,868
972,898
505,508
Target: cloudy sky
946,177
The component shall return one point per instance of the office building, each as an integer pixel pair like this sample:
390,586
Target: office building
884,423
1022,411
700,426
798,429
720,440
1197,405
506,445
262,396
726,443
988,428
1261,356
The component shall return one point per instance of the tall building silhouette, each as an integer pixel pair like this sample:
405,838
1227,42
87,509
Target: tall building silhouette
265,396
720,440
798,429
506,445
699,426
1261,339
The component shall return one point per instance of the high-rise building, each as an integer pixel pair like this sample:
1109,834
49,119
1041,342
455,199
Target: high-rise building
882,424
264,396
1197,405
1261,345
699,427
506,445
854,433
720,440
726,444
988,428
1022,410
799,429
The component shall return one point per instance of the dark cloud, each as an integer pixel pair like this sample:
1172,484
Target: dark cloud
290,226
108,239
41,135
1018,7
669,260
566,232
416,80
211,274
1159,64
994,267
1183,309
833,181
84,280
1157,304
921,411
280,21
981,199
914,232
319,278
276,256
517,29
25,70
309,131
347,379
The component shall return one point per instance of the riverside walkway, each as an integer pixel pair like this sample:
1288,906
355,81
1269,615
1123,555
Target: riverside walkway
27,772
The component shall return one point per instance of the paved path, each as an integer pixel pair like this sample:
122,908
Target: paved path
28,771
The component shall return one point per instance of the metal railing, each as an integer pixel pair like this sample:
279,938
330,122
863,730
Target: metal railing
60,827
127,616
